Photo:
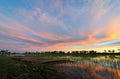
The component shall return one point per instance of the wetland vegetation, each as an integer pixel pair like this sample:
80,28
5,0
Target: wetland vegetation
59,65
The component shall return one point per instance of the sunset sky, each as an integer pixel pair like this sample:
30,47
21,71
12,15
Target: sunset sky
42,25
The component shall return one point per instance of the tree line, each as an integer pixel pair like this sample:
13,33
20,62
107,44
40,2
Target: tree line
7,52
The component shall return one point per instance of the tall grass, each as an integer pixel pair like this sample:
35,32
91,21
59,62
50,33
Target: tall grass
11,69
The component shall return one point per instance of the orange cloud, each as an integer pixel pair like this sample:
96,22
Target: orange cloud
113,29
110,29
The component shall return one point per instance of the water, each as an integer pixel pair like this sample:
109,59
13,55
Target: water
91,67
102,61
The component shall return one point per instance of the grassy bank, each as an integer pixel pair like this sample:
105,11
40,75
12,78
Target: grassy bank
12,69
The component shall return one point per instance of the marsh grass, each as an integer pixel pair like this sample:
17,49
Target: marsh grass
12,69
87,71
16,69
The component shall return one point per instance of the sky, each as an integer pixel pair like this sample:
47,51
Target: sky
47,25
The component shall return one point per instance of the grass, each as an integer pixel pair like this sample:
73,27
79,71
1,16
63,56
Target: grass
12,69
86,71
84,56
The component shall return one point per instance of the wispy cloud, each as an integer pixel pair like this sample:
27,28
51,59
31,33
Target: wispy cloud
60,24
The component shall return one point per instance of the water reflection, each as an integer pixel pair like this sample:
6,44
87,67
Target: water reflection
102,67
101,60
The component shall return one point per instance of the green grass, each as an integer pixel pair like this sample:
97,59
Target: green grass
45,55
11,69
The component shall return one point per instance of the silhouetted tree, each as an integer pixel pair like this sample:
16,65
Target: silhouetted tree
113,51
109,51
61,52
83,52
92,52
119,50
4,52
68,52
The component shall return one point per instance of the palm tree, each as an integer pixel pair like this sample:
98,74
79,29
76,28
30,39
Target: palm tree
113,51
109,51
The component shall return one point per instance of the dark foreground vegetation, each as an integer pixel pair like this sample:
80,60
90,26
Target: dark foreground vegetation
12,68
59,65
